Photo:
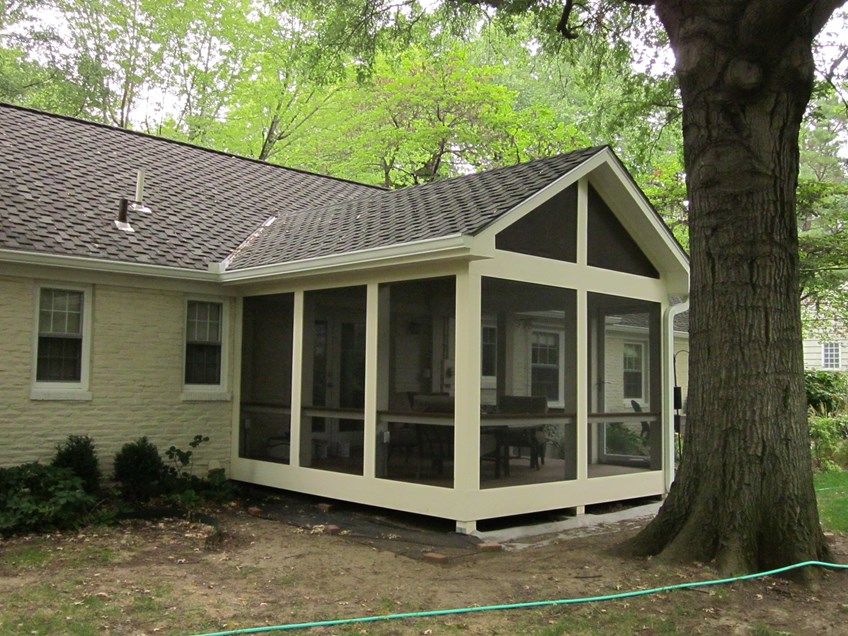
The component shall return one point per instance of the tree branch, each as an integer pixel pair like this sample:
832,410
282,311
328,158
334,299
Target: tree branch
820,12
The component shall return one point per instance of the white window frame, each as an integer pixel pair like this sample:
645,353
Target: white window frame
560,334
644,347
40,390
838,365
488,382
208,392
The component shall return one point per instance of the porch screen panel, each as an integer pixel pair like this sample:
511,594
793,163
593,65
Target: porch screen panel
549,231
333,389
528,383
415,394
625,409
610,246
266,377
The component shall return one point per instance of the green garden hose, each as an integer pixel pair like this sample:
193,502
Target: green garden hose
508,606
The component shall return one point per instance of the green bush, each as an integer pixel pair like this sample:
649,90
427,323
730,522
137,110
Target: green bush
827,391
622,440
78,455
829,439
36,497
139,470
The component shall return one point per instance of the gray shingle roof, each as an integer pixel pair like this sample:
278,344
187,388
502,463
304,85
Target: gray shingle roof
61,180
462,205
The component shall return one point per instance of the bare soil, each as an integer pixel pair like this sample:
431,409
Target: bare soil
174,576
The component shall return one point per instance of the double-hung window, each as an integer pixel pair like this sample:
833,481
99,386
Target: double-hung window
61,347
546,366
204,343
831,358
634,366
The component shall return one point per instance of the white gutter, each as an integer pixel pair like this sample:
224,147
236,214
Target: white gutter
105,265
668,379
427,249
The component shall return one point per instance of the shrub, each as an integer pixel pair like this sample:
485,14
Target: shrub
829,438
139,470
827,391
77,454
36,497
623,440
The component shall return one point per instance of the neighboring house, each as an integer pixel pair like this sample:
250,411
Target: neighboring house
483,346
827,355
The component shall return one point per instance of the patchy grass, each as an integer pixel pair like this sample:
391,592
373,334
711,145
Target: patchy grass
832,493
146,577
26,557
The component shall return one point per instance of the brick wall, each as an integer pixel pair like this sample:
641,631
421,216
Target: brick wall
136,380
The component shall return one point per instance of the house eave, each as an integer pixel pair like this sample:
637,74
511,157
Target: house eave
104,265
453,246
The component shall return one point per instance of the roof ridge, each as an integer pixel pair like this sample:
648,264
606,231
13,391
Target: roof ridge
138,133
570,153
418,186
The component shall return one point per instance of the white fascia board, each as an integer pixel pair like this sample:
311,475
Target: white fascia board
455,245
650,214
104,265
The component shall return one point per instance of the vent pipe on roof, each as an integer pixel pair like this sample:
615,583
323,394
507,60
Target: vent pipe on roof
138,204
123,220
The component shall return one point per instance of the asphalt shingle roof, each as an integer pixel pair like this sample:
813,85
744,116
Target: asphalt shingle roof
461,205
61,180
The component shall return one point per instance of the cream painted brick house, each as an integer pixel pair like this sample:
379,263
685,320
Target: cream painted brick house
482,346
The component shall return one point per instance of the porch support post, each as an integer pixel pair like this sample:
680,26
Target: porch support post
670,314
236,439
467,387
297,379
583,375
582,221
372,327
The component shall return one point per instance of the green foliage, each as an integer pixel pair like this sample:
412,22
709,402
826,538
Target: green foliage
182,464
77,453
829,437
140,470
832,493
34,497
623,440
827,391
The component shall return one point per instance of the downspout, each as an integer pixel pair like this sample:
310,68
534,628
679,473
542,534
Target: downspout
668,379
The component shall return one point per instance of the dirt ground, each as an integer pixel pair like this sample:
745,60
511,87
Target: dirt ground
177,577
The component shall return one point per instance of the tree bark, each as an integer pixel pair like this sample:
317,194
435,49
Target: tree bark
744,494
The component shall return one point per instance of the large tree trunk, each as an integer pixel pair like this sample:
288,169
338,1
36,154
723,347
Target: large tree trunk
744,492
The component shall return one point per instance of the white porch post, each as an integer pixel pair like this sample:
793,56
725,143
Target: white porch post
583,371
668,391
467,392
372,327
238,316
582,411
297,379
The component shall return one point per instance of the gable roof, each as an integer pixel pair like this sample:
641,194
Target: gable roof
461,205
61,180
223,217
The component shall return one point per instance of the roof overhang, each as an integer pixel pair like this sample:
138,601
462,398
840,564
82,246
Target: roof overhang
104,265
453,246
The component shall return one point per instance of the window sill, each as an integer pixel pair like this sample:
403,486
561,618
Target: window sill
49,393
201,395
